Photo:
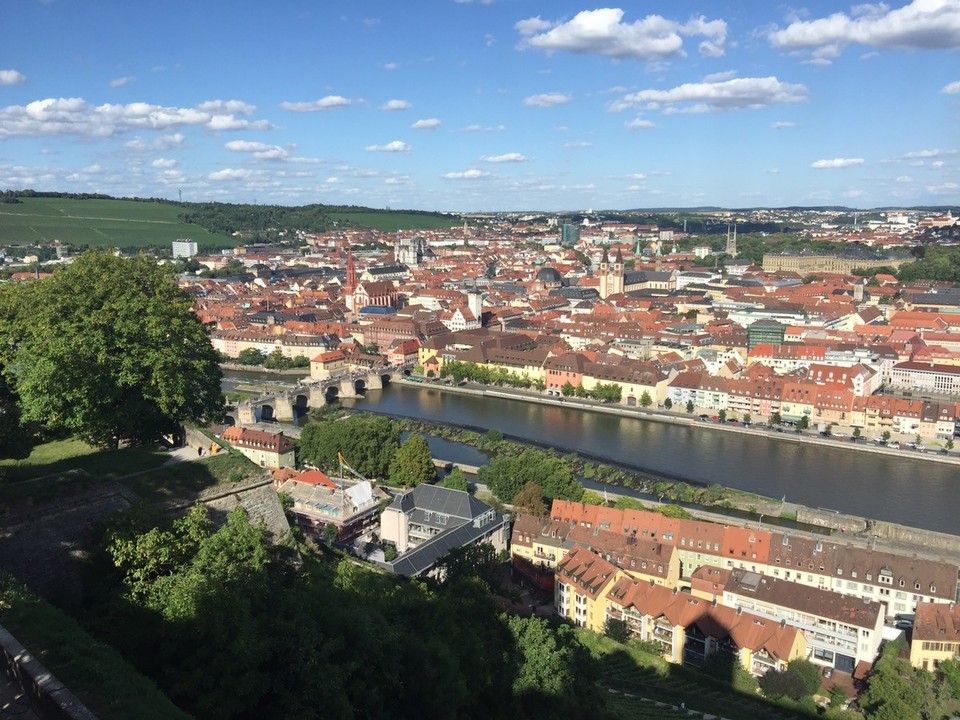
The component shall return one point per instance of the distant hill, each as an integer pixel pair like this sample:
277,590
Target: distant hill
30,218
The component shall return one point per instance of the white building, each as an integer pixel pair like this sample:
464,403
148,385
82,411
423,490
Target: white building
184,248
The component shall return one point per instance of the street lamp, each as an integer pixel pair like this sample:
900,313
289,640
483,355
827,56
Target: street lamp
760,521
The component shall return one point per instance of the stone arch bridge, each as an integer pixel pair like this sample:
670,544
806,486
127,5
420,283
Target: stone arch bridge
289,405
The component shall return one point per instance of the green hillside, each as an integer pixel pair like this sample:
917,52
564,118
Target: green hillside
99,223
127,224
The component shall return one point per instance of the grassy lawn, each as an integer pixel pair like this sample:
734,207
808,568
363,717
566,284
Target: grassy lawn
184,480
630,674
46,472
98,223
96,673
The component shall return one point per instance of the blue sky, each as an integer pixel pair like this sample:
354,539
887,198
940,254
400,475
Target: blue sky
484,105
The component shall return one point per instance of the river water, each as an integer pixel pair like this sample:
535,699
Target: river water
897,489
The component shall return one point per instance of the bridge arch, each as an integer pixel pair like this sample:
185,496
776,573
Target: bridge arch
267,413
301,405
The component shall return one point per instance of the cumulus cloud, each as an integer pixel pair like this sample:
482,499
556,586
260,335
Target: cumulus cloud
164,142
471,174
330,102
783,125
121,81
836,163
951,88
163,163
948,188
720,76
578,144
603,32
639,124
547,100
258,150
75,116
396,105
12,77
426,124
396,146
921,25
736,94
230,174
513,157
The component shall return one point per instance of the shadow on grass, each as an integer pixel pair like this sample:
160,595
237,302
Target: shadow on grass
629,681
65,466
186,480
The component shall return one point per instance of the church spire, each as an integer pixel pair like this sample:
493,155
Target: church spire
351,271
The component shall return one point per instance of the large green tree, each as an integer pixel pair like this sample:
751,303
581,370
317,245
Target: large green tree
108,349
412,464
367,443
506,476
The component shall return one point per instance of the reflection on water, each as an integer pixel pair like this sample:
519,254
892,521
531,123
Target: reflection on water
897,489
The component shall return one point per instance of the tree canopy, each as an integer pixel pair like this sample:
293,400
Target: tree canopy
108,349
367,443
412,463
506,476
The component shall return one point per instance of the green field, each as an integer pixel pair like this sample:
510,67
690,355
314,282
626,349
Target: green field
99,223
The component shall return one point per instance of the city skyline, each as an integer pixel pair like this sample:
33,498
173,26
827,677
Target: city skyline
491,105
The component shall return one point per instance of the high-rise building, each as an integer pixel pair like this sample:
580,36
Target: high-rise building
569,235
184,248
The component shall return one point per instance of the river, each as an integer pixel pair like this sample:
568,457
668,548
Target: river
885,487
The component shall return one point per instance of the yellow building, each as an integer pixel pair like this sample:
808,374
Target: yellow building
936,635
582,581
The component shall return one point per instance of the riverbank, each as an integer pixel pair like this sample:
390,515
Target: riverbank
299,371
686,420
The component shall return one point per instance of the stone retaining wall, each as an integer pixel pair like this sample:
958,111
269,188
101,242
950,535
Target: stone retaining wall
49,697
929,540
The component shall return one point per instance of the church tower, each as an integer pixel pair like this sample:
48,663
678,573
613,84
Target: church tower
732,241
604,274
616,279
351,282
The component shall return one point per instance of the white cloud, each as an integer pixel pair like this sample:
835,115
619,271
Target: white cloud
393,147
948,188
396,105
920,25
736,94
121,81
578,144
904,179
471,174
75,116
639,124
164,142
772,171
513,157
783,125
602,32
330,102
390,66
547,100
836,163
163,163
258,150
12,77
481,128
951,88
720,76
230,174
426,124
